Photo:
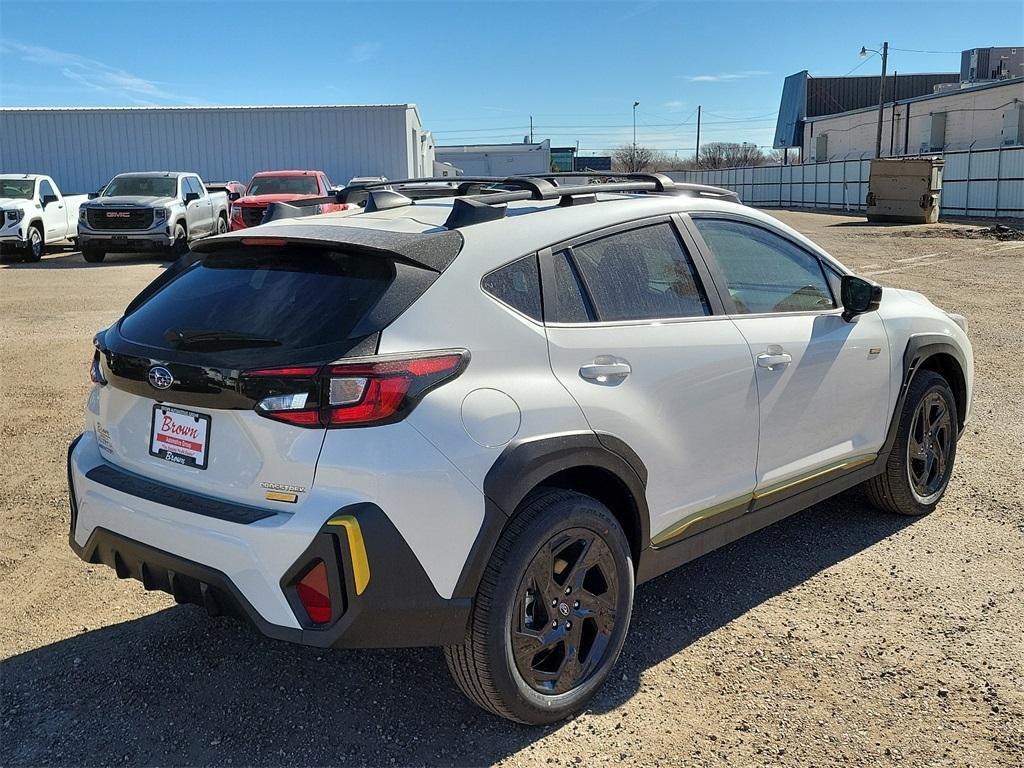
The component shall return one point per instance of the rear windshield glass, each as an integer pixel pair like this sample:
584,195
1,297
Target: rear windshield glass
284,185
274,303
143,186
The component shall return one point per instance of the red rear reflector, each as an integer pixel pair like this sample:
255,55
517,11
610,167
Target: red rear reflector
314,594
264,241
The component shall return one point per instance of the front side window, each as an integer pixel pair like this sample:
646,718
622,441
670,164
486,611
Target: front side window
765,273
641,274
45,189
518,285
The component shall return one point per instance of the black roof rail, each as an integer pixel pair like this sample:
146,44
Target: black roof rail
494,191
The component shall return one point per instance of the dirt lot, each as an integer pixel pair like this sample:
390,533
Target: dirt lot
838,637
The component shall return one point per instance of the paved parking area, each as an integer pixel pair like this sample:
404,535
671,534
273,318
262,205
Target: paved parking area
840,636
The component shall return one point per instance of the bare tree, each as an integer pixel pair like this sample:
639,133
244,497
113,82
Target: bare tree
724,154
630,159
784,156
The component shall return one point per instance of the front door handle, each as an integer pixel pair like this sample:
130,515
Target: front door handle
606,370
774,357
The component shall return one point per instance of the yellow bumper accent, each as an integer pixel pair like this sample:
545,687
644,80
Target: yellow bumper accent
357,550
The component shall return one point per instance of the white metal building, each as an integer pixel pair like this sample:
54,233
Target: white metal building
497,159
83,148
976,117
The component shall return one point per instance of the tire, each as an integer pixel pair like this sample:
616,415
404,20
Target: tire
36,244
538,646
93,255
921,462
222,225
179,245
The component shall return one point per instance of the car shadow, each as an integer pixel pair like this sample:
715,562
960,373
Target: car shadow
179,688
75,260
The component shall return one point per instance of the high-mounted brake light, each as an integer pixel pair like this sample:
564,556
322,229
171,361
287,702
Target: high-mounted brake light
264,241
377,390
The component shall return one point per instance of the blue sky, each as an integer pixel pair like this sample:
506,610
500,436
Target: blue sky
478,71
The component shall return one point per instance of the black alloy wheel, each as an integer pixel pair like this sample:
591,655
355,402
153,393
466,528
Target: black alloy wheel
929,448
566,611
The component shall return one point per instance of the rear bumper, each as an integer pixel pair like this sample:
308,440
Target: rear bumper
248,570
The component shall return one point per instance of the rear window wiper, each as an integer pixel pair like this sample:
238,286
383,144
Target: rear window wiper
191,339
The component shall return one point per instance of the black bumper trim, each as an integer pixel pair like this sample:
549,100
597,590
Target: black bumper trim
114,478
398,608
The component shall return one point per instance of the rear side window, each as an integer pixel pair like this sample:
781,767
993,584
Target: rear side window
290,304
518,285
765,273
641,274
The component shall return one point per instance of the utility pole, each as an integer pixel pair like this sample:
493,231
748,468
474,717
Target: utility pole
892,115
696,154
881,93
531,129
633,163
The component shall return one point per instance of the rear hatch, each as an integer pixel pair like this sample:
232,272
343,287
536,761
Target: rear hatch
212,374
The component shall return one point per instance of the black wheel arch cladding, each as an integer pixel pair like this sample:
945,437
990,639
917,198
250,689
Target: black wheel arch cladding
570,460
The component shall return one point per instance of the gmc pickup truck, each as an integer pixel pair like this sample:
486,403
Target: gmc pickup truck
161,212
34,214
269,187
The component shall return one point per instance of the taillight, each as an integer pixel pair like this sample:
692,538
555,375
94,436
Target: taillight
314,593
95,371
359,392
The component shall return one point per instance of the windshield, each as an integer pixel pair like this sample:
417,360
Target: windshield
19,189
283,185
142,186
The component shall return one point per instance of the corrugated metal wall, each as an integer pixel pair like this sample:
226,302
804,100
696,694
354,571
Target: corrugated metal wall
834,95
83,148
987,183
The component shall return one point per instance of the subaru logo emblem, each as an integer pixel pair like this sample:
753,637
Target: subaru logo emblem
160,377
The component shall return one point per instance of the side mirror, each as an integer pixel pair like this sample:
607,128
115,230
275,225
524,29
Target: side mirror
94,195
47,199
859,296
190,196
232,196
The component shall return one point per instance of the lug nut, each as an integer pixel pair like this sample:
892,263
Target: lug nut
568,625
554,603
554,625
576,604
568,590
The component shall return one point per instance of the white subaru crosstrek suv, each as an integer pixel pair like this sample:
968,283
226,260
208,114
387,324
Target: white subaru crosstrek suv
479,421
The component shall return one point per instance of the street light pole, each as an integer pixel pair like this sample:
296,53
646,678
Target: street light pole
881,93
633,164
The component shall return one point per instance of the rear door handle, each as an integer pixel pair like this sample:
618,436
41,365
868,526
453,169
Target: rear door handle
601,372
774,358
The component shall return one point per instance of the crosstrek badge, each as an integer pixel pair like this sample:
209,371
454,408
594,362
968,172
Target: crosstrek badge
179,436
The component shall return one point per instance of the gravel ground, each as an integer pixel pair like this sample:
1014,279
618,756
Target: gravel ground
840,636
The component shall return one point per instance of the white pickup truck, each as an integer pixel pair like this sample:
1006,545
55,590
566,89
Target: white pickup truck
34,214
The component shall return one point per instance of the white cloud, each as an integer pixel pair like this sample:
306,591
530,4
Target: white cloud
363,52
95,75
726,76
674,106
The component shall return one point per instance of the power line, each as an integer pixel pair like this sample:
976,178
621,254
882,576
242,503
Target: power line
914,50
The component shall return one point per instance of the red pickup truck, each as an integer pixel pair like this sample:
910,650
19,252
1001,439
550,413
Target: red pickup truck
269,187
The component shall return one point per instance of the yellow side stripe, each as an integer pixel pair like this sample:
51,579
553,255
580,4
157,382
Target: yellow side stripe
676,531
356,548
